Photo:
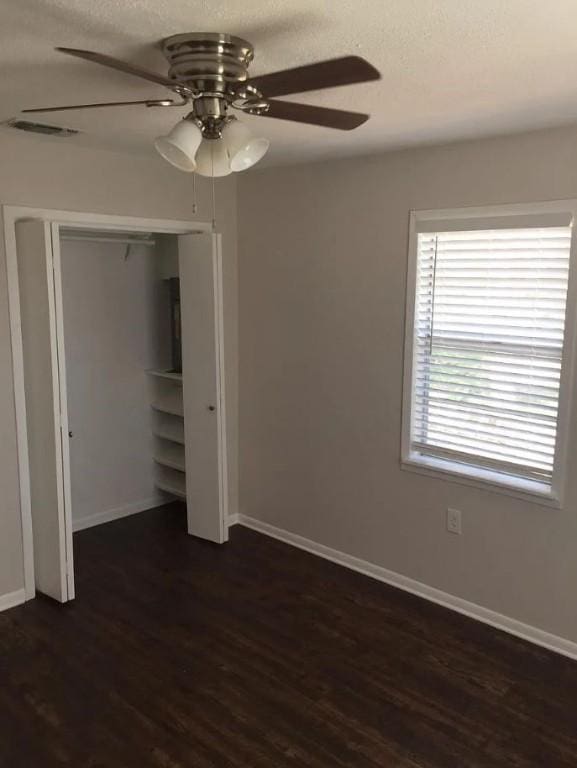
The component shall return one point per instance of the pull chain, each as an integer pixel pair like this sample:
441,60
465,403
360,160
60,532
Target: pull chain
213,189
194,198
213,206
194,205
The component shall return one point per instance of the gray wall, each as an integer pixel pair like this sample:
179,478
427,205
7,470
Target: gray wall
323,255
49,173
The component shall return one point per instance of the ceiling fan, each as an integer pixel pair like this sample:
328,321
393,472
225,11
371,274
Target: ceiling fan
209,72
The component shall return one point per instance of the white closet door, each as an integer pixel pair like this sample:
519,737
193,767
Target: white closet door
200,269
40,308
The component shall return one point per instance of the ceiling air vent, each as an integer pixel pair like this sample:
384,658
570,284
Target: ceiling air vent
49,130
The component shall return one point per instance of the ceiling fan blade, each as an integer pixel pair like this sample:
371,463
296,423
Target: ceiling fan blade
146,102
121,66
305,113
314,77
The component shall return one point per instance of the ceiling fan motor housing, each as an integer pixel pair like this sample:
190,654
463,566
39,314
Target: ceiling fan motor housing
213,65
210,62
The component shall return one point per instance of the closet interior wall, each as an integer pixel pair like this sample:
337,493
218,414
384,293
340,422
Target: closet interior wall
116,310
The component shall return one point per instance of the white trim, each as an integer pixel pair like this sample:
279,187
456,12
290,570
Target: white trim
233,520
465,221
11,214
98,518
19,405
538,208
12,599
220,382
471,475
472,610
478,477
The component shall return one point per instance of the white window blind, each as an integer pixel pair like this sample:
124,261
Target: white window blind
488,342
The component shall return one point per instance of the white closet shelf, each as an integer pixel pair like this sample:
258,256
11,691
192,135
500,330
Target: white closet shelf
165,434
170,488
166,374
170,480
170,455
168,408
166,461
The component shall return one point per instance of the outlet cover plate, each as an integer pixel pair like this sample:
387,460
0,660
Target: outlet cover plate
454,521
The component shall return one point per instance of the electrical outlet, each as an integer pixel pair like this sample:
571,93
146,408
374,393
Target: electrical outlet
454,524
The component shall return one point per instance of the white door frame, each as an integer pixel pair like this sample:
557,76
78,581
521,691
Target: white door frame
82,220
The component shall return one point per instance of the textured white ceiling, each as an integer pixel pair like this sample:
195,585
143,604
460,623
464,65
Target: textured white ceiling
451,68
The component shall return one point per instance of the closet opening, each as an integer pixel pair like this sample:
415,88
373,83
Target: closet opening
122,339
124,383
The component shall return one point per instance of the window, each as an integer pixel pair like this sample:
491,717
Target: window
486,371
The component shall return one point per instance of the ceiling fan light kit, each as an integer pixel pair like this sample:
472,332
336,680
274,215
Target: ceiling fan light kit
212,159
244,149
208,71
179,147
186,149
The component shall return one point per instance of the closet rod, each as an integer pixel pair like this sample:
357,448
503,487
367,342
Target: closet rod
104,239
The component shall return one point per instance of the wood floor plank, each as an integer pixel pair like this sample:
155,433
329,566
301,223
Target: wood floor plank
178,653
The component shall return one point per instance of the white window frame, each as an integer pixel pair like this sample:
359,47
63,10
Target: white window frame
466,474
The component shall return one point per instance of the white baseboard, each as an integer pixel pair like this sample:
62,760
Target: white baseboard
474,611
233,520
11,599
115,514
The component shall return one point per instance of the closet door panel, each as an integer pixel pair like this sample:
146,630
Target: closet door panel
63,396
42,396
200,269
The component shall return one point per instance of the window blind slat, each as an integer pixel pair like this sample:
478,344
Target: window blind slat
492,403
498,437
486,329
489,332
478,382
485,448
485,426
449,406
491,362
525,313
484,346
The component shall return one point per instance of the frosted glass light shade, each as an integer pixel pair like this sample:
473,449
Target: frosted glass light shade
244,149
212,158
180,145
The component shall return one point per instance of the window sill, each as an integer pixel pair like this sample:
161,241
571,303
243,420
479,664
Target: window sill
486,479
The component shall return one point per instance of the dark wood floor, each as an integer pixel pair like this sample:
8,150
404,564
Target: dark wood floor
181,653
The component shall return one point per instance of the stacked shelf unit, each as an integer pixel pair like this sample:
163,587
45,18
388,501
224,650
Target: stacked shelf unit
168,431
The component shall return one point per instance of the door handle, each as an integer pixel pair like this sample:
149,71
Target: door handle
70,434
211,408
